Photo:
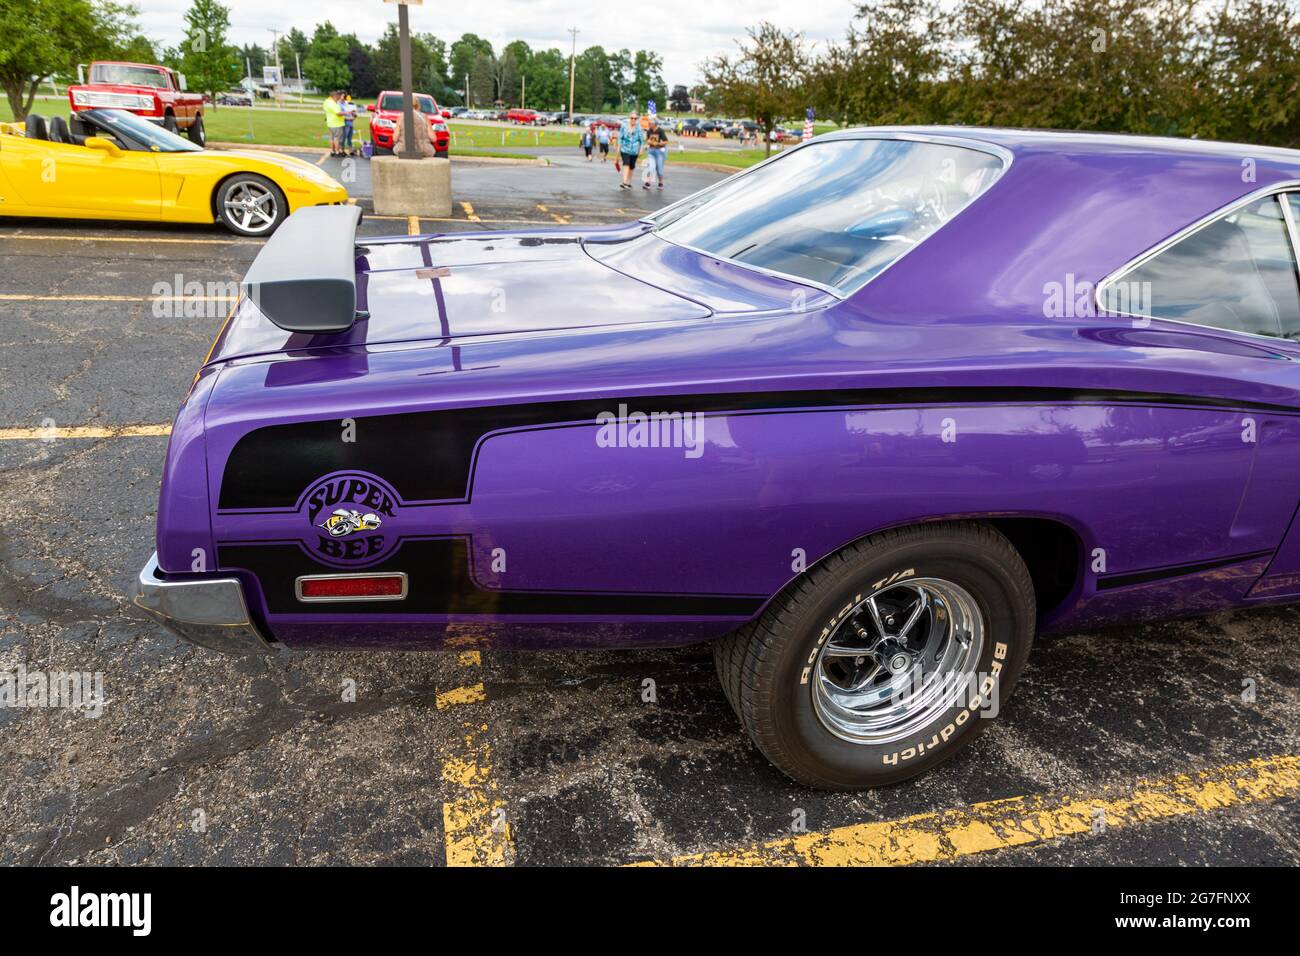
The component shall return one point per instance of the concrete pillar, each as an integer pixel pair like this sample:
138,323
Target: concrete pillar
411,187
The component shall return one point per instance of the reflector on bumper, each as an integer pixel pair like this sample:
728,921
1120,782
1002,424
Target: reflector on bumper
352,587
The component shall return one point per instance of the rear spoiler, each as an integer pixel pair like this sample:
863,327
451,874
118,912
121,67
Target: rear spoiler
304,278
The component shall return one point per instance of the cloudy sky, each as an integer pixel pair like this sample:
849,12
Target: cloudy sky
683,31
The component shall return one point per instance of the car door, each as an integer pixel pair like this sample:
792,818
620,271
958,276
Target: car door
71,178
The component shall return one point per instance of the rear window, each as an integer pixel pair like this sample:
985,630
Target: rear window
835,212
1236,273
393,102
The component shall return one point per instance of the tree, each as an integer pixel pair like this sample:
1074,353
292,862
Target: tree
1252,74
764,80
465,53
205,54
326,63
293,44
252,58
139,49
387,60
680,100
647,78
888,70
548,79
619,77
360,65
435,77
591,71
39,38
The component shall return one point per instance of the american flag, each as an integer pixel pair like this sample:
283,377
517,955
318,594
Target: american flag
807,124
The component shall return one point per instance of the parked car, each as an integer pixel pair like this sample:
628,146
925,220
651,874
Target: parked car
524,117
867,416
741,129
234,98
113,164
156,93
459,112
387,109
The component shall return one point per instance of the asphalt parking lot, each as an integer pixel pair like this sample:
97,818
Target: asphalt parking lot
1171,743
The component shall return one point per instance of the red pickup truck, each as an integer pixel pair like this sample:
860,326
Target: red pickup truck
153,92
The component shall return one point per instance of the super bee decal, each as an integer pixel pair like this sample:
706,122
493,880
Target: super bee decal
346,512
344,521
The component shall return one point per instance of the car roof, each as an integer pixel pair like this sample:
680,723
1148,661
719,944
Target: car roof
1073,142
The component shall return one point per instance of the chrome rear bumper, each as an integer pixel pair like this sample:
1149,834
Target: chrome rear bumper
210,612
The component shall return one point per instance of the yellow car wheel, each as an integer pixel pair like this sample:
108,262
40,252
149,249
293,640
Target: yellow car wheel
251,205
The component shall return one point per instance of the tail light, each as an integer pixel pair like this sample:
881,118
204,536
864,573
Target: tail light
352,587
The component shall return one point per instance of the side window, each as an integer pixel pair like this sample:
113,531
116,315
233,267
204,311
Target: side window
1236,273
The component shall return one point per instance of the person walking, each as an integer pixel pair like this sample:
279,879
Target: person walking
602,140
334,121
656,141
631,140
587,141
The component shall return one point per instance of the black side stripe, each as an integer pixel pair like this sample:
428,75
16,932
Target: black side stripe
428,456
440,583
1160,574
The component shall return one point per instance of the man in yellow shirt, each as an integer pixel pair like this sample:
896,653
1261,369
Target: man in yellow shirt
334,121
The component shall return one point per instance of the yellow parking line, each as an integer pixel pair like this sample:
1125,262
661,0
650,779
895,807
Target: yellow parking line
469,694
14,297
475,829
149,239
84,431
1019,821
412,225
468,209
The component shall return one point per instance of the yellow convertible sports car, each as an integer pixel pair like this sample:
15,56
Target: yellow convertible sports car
110,164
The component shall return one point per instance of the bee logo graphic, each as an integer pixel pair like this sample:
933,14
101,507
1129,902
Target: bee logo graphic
344,512
346,521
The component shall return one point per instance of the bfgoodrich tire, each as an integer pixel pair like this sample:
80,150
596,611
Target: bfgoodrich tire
886,659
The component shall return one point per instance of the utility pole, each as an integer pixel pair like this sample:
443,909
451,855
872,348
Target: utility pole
467,91
523,91
573,53
298,61
409,149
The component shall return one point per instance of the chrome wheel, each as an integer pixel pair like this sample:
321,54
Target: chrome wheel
251,207
899,659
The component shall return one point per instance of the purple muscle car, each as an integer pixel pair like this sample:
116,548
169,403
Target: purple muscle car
868,416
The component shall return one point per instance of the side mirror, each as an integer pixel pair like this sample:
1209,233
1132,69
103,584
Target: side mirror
370,107
180,80
103,145
446,114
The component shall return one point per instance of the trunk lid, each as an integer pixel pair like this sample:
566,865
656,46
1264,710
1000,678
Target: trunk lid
445,288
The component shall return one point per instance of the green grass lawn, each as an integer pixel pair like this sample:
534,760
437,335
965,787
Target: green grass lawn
740,158
466,135
284,128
